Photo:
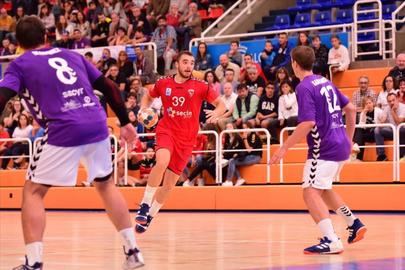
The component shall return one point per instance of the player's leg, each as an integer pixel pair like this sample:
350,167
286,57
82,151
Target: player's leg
316,181
33,222
163,156
97,160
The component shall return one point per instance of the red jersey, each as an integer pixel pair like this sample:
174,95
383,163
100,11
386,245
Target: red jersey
182,104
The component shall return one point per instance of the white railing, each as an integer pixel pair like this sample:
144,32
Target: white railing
246,10
217,21
221,150
14,140
393,23
400,144
395,163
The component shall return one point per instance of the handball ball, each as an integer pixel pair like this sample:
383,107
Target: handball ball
148,118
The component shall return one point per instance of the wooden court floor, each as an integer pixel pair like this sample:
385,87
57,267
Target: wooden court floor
194,241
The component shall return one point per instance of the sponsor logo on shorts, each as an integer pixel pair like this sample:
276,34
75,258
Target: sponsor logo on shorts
88,102
71,105
168,91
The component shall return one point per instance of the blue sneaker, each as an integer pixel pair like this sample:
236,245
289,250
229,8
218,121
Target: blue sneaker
141,228
325,246
142,215
356,231
26,266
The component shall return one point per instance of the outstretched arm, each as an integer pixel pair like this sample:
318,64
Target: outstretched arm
146,101
219,110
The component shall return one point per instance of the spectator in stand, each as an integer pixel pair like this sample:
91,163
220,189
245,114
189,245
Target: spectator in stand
281,76
360,94
166,42
139,37
126,67
266,58
212,80
116,24
338,56
394,114
203,58
233,54
22,131
233,141
402,90
92,11
287,106
321,56
224,65
7,47
114,6
3,135
61,27
106,61
80,41
119,38
100,30
156,9
182,5
6,23
251,141
254,82
114,75
190,25
266,116
83,25
133,119
132,103
398,71
303,39
146,164
144,67
138,21
282,58
29,7
47,19
388,86
229,97
20,13
369,115
89,57
135,86
65,42
173,17
246,105
248,62
229,78
36,132
195,160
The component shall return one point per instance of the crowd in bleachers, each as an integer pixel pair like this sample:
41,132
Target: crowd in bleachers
256,94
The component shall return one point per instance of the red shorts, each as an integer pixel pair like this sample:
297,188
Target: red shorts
179,152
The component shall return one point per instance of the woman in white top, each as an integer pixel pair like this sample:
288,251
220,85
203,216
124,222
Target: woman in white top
388,86
23,130
338,56
287,106
370,115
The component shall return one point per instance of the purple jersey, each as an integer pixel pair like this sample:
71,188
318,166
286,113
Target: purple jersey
57,87
320,101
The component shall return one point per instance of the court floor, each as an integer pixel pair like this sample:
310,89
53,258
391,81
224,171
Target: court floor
195,240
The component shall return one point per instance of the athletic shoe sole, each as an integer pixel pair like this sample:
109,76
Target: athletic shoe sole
323,253
141,220
360,235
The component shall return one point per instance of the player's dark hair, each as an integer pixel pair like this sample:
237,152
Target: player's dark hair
304,56
30,32
183,53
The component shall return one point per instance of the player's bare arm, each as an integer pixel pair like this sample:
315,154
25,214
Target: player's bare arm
299,134
146,101
350,112
213,115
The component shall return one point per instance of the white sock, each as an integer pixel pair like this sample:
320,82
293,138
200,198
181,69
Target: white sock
346,214
155,208
128,238
34,252
326,227
149,194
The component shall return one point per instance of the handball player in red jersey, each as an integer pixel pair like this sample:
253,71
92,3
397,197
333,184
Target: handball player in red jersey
182,96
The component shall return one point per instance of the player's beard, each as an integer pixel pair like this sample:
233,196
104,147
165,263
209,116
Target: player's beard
183,74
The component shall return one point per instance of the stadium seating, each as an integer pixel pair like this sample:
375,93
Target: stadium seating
302,5
302,20
323,18
282,22
344,16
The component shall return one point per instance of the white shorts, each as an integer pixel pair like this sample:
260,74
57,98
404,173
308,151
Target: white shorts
58,166
320,174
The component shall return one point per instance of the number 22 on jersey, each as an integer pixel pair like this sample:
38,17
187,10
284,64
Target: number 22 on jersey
327,91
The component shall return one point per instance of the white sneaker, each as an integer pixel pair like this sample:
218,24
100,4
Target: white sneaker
134,260
227,183
200,182
188,183
240,182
